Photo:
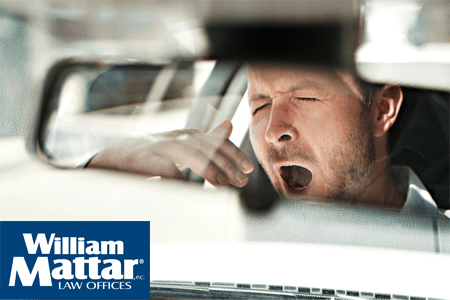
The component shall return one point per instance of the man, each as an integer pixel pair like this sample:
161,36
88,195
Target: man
318,133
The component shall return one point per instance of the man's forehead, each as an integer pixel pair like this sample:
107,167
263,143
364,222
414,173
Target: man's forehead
288,76
282,78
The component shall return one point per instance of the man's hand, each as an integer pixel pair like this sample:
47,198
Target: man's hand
211,155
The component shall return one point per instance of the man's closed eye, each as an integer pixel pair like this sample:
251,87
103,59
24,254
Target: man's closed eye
259,108
306,98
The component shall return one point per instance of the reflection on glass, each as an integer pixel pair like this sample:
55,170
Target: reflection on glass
318,133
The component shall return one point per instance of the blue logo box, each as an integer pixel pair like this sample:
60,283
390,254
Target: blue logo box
75,260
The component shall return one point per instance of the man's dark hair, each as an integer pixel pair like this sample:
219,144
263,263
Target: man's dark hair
367,90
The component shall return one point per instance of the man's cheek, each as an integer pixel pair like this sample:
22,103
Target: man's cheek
258,138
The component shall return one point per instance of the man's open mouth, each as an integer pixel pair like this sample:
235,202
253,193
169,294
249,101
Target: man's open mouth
296,177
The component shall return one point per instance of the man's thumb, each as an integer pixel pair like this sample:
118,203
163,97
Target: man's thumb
223,130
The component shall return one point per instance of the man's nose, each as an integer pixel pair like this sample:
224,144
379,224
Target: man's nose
281,127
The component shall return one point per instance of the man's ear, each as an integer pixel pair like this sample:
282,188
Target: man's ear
386,105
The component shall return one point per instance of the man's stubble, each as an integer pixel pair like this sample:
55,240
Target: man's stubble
352,161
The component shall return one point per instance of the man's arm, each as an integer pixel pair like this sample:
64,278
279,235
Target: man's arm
211,155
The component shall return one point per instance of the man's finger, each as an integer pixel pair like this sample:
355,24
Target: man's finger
194,159
227,147
223,130
226,164
155,165
211,144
